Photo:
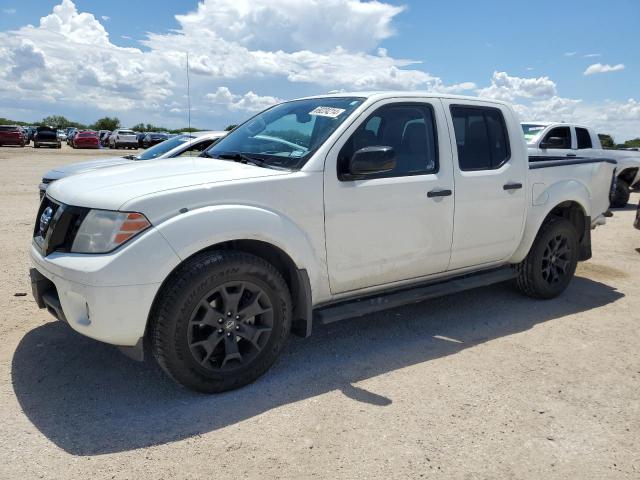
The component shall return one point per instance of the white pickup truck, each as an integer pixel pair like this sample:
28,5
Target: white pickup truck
565,140
321,208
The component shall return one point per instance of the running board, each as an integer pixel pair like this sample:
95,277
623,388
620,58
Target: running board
397,298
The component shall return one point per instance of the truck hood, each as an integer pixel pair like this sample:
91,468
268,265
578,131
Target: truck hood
110,188
59,172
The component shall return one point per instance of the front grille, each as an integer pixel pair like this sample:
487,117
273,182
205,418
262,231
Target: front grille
56,226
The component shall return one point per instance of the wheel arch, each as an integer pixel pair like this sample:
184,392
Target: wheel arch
573,210
629,174
296,279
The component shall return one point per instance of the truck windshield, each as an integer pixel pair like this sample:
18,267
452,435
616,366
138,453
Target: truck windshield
287,134
531,131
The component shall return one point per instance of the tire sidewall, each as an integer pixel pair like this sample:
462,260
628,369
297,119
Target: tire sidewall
565,228
622,194
187,296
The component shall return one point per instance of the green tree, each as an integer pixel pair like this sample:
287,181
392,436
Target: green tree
106,123
139,127
56,121
230,127
606,140
635,143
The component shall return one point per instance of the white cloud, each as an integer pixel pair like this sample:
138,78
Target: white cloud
249,102
570,54
603,68
291,25
9,11
105,18
509,88
592,55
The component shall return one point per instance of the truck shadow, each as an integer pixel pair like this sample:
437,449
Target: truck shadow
89,399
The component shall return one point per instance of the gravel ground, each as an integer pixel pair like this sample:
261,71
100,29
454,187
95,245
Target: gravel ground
483,384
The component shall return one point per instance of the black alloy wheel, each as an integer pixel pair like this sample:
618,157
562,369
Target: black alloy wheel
230,326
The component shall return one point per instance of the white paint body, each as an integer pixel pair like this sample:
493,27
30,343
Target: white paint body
123,138
351,237
627,160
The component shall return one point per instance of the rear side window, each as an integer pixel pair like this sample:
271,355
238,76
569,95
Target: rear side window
584,139
408,128
481,137
4,128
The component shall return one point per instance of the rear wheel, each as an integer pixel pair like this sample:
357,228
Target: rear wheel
621,194
551,262
35,145
221,321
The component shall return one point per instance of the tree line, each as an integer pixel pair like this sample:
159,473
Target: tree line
607,141
104,123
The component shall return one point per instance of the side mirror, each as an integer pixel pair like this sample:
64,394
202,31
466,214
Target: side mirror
371,161
554,142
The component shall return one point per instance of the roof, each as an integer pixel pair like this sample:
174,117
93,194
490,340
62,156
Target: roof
558,124
380,95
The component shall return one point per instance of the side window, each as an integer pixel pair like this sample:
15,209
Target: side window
584,139
560,132
481,137
408,128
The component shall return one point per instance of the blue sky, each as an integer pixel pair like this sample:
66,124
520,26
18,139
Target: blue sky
540,51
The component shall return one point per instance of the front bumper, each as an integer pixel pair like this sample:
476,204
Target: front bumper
105,297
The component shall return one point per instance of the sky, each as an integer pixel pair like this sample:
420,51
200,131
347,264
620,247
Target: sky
572,60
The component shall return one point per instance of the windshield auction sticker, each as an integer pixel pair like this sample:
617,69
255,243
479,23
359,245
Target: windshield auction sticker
330,112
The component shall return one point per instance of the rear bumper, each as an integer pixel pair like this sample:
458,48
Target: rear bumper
12,141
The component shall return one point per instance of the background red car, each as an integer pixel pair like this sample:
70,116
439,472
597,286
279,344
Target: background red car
12,135
86,139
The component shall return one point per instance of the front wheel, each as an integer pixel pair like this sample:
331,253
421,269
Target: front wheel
221,321
551,262
621,194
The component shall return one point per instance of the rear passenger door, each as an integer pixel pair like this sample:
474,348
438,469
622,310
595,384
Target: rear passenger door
490,169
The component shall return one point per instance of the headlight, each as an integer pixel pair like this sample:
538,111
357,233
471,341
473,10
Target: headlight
102,231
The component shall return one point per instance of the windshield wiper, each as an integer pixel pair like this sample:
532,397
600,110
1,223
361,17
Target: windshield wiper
246,159
131,157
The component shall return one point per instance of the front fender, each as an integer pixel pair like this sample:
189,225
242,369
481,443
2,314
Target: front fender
195,230
543,201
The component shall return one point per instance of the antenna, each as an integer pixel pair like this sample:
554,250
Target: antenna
188,95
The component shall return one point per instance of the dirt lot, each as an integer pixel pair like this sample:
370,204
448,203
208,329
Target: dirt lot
484,384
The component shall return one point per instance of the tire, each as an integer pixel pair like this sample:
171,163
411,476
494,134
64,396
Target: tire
35,145
621,194
545,273
197,329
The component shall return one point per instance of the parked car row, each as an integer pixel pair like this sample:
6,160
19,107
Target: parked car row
20,136
187,145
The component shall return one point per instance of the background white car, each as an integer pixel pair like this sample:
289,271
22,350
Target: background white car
122,138
185,145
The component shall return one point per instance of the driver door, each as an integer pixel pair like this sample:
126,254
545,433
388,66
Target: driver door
397,225
563,151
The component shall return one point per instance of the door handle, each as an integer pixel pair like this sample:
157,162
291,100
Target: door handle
571,155
512,186
439,193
